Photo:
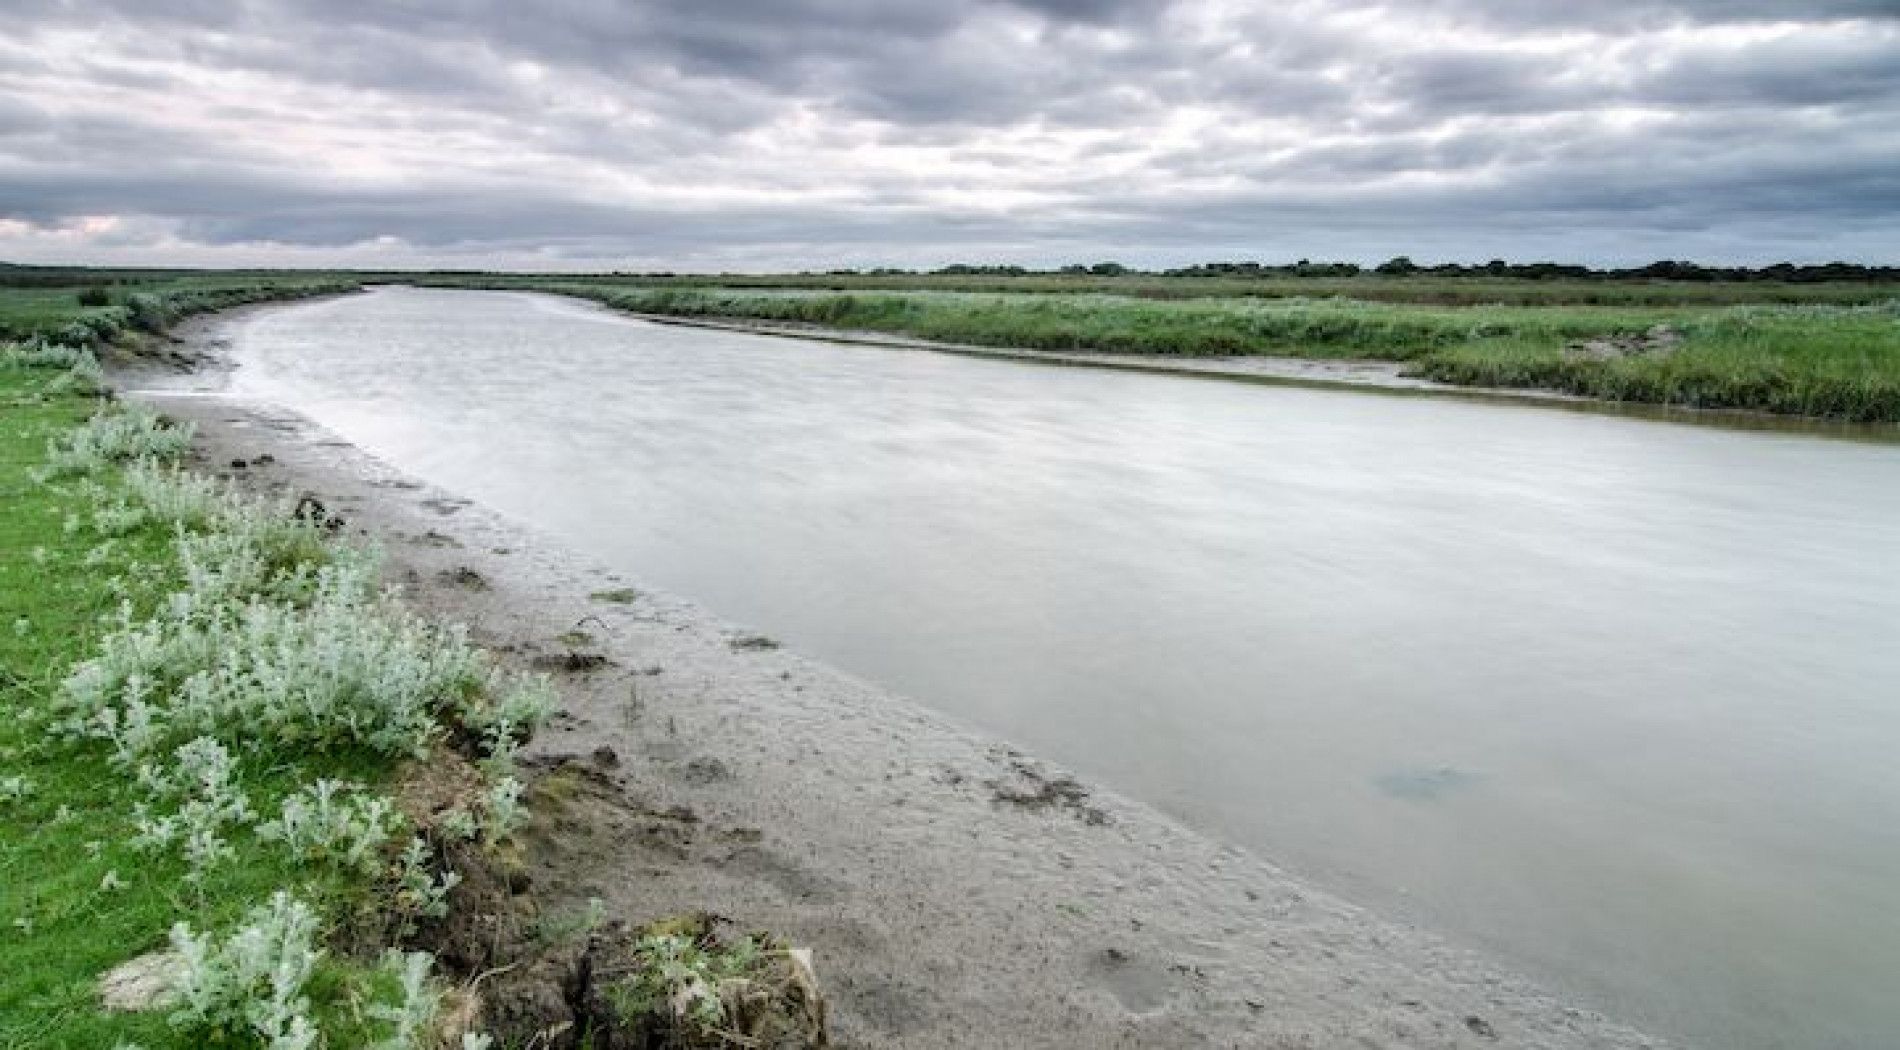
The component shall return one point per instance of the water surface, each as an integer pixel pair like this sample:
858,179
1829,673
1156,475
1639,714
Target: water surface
1613,699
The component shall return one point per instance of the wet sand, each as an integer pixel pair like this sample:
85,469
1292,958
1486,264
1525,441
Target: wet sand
956,891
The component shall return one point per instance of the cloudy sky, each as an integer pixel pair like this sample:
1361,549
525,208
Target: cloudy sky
757,134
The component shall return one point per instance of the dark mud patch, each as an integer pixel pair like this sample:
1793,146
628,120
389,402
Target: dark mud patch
432,538
705,770
1027,787
570,663
310,508
617,596
464,577
446,507
752,643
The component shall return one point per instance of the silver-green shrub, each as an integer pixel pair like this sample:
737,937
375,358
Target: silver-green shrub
202,783
114,437
254,979
336,822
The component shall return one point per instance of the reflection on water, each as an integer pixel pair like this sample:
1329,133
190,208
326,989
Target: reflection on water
1615,698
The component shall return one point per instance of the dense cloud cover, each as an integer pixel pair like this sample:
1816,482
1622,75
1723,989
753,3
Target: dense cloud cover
754,134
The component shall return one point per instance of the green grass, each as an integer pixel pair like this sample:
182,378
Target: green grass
1418,289
56,313
77,895
1821,361
1824,349
59,926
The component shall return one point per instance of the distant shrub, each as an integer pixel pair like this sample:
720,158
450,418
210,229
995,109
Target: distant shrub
95,297
149,312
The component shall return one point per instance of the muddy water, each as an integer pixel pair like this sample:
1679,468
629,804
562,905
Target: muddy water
1616,700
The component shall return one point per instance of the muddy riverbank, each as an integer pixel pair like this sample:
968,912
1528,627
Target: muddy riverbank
957,892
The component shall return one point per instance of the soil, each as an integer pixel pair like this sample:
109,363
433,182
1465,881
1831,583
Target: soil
1659,341
954,891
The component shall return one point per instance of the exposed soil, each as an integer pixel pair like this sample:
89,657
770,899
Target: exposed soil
954,892
1659,341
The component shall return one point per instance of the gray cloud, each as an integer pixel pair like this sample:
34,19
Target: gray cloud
828,132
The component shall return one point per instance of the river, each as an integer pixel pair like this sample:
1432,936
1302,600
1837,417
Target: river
1611,699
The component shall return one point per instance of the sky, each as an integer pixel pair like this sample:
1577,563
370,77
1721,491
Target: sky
695,135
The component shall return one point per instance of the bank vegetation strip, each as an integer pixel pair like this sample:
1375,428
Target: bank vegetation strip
1822,361
239,781
1821,349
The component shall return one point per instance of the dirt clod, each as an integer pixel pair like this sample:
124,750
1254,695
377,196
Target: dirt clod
570,662
464,577
706,770
1035,791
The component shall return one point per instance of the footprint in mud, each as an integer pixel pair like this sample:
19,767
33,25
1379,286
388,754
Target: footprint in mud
890,1006
433,538
807,886
1140,985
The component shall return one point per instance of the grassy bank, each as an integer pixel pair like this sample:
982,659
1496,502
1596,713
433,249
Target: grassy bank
1820,361
245,793
91,313
1416,289
1827,350
206,703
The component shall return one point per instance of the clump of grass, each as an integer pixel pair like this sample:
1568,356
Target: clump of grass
76,370
683,984
114,437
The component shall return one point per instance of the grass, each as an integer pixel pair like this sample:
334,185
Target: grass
1823,363
186,674
57,313
61,921
1823,349
1814,360
1418,289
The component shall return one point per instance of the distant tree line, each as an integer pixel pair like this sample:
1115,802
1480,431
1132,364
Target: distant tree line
1402,266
